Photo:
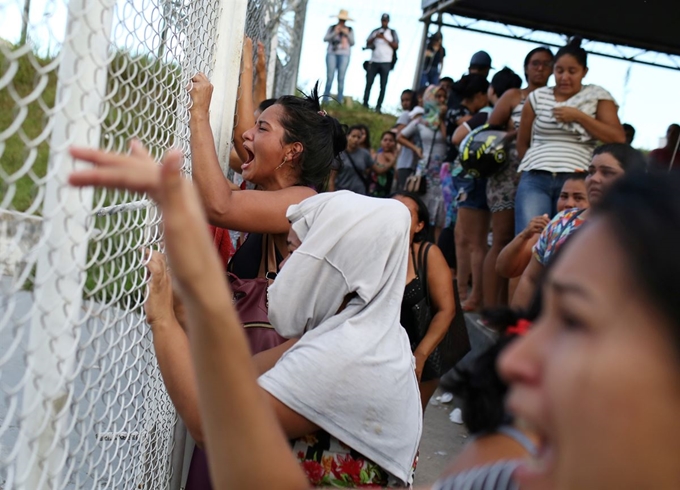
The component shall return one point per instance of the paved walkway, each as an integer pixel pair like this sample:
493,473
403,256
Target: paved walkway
442,441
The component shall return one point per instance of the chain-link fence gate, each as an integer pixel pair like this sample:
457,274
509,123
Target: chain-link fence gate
82,402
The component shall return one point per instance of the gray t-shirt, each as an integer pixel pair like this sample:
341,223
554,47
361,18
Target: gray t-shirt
438,147
348,178
339,44
406,158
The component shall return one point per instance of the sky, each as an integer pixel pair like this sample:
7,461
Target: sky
648,99
647,95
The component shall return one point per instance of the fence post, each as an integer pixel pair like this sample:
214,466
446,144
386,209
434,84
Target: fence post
60,273
231,26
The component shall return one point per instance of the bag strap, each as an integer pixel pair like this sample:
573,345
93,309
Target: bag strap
421,267
429,155
354,166
269,256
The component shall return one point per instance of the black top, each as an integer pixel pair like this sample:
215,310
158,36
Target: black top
245,264
436,58
413,294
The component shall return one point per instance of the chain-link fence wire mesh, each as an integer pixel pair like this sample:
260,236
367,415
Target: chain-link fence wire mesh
82,402
278,25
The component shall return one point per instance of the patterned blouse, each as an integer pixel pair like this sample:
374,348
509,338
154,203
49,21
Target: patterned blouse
556,233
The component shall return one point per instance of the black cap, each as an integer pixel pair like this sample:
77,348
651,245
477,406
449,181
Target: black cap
385,17
481,58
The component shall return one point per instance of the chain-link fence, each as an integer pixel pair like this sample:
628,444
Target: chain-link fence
82,402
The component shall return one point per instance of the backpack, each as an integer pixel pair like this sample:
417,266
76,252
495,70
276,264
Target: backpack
394,51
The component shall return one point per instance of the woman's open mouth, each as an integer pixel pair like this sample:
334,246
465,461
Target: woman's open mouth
538,465
249,160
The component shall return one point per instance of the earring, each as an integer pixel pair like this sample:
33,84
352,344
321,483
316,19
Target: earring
282,163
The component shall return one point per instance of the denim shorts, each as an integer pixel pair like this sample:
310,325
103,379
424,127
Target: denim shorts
470,193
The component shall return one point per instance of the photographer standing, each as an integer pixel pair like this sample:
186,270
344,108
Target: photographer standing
384,42
340,39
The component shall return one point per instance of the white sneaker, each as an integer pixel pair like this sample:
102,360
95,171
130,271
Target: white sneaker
456,416
446,397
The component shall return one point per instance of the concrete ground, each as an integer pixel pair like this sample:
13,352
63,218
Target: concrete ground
442,439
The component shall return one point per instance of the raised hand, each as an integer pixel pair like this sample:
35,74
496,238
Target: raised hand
135,172
200,92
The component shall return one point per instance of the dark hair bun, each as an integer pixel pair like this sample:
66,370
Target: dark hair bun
575,41
322,136
573,48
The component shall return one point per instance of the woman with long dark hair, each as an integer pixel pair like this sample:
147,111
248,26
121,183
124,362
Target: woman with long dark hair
428,278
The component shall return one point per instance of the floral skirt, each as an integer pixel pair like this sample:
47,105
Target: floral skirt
328,462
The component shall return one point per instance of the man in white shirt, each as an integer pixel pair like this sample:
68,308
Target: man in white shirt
384,42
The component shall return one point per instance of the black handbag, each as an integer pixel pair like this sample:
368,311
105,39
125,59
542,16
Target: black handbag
456,342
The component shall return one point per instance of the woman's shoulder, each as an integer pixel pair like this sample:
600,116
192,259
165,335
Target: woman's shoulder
433,252
542,95
597,91
512,97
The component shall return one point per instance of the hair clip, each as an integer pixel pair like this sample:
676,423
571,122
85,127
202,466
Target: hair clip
519,328
322,113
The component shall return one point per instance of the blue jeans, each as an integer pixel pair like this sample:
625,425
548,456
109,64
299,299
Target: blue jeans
429,77
537,194
382,69
334,62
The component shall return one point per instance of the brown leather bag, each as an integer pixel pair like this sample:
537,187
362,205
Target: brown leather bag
250,300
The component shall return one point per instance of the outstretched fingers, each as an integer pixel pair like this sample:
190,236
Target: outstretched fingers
135,172
187,238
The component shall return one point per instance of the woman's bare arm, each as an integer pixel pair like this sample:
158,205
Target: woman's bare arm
403,141
527,284
605,126
503,109
245,108
515,256
250,211
260,90
459,134
525,127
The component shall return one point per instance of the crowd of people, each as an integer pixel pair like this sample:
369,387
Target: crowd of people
360,264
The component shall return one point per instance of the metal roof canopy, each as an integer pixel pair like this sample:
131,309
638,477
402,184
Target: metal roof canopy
638,31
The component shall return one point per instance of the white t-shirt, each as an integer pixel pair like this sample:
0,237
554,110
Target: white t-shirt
383,51
351,373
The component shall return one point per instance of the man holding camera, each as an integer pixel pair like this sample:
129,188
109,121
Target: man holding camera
340,39
384,42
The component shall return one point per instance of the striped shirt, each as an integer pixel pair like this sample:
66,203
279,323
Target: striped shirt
497,476
559,147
